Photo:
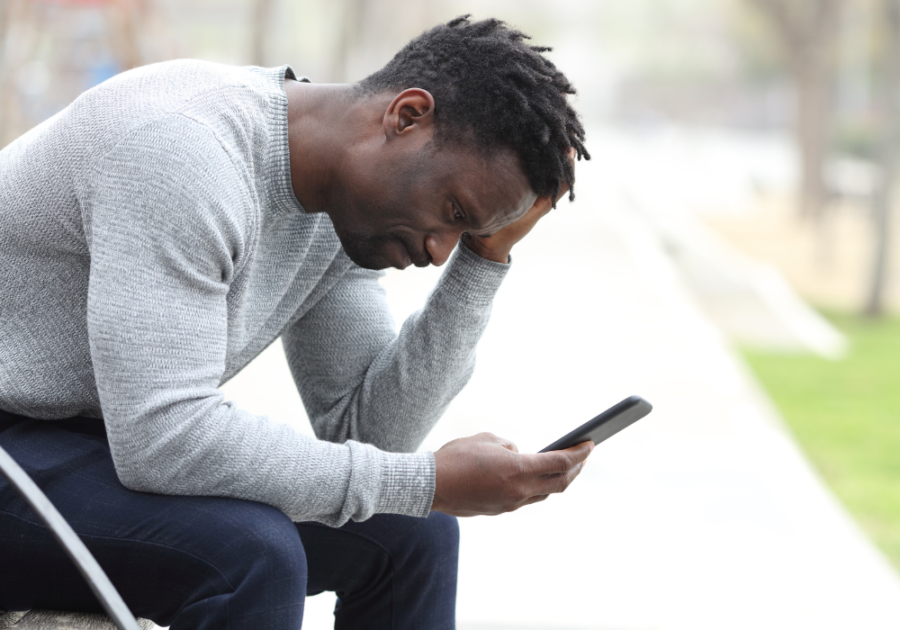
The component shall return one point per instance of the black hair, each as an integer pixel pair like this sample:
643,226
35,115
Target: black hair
491,87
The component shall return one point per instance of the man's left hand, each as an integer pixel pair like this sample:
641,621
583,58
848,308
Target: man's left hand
497,246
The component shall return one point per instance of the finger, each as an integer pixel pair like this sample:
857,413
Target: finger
559,461
535,499
559,482
580,452
540,464
574,472
538,209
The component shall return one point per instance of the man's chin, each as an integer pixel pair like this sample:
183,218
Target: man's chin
374,265
375,253
360,248
367,260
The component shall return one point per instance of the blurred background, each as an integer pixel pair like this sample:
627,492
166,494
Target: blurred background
732,255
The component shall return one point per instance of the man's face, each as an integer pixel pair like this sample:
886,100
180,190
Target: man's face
412,207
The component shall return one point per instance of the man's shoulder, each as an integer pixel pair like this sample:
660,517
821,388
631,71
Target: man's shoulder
200,89
180,107
186,78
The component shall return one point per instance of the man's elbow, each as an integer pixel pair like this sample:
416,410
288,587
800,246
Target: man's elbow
142,478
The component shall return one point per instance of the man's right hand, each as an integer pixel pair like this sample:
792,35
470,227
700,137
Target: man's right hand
485,474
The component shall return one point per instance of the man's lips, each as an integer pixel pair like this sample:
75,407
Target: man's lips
407,258
404,260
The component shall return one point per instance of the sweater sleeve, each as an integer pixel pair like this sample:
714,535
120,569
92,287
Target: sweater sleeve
360,380
168,220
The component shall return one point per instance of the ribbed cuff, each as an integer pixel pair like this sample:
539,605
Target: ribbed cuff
471,279
407,484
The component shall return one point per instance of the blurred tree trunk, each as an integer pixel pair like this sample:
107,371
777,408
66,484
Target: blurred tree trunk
262,12
6,16
889,110
18,39
808,31
124,18
350,38
5,11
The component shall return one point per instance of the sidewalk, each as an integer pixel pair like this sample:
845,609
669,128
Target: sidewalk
704,515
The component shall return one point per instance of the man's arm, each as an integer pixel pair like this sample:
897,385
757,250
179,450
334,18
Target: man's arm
361,380
166,223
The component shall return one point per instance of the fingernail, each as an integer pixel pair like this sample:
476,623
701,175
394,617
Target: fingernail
592,446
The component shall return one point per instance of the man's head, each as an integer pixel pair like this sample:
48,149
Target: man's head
476,127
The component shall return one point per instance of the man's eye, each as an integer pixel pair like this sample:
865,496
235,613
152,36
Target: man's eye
459,216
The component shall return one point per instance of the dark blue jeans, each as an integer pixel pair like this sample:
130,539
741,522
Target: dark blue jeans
207,562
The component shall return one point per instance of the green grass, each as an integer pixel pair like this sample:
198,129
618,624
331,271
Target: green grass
846,415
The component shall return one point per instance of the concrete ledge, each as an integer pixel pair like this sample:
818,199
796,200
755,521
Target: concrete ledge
56,620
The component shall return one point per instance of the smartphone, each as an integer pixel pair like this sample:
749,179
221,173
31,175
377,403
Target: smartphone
606,425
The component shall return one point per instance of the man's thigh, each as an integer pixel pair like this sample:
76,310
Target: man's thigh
389,571
167,553
163,553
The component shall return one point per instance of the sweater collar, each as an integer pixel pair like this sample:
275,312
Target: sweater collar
279,190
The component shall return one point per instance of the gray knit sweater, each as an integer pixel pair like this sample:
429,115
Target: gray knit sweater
151,246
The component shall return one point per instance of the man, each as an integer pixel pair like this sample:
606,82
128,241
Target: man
170,224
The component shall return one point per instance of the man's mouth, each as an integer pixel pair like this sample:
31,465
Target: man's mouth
407,257
422,260
404,260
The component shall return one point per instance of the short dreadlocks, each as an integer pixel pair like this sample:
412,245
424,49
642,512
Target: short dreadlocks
492,88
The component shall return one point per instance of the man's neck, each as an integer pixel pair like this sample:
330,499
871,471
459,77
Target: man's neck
325,123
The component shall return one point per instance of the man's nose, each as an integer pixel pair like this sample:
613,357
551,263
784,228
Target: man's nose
441,245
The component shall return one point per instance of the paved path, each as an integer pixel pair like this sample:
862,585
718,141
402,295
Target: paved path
704,515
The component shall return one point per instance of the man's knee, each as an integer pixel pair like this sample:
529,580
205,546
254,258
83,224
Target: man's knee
425,584
431,545
439,537
234,559
261,542
411,544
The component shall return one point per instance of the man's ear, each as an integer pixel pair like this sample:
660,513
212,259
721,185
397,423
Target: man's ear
410,110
